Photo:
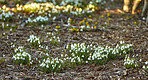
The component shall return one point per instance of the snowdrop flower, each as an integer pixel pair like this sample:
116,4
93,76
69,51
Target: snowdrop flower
81,29
121,42
98,1
54,18
43,64
43,60
62,3
47,54
57,61
47,61
82,55
53,66
56,29
144,67
49,15
46,47
17,58
47,66
89,58
61,55
146,62
54,2
86,61
52,62
14,57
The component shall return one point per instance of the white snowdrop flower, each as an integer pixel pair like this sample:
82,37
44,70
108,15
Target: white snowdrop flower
146,62
34,20
23,54
54,18
73,54
89,58
86,61
53,66
42,64
74,60
87,51
61,55
57,61
58,37
66,55
124,52
52,62
133,55
42,25
0,17
59,66
47,66
140,60
82,55
23,58
48,33
98,1
16,50
49,15
7,25
38,42
39,45
14,57
54,2
52,33
70,51
17,57
43,60
18,54
47,61
56,29
13,45
124,63
47,54
67,58
62,3
79,59
31,61
144,67
46,47
121,42
81,29
130,45
64,59
48,58
29,57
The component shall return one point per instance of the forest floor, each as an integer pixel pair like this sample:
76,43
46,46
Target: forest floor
127,27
